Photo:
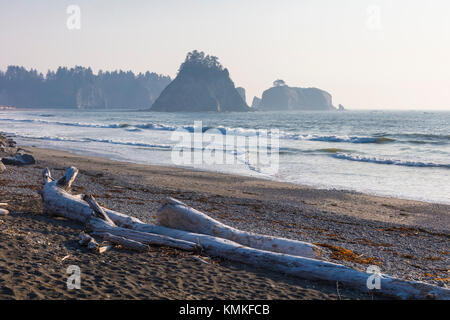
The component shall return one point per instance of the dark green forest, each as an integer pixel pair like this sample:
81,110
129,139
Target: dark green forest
79,87
197,63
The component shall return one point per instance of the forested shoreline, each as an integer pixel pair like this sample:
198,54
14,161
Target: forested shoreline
79,87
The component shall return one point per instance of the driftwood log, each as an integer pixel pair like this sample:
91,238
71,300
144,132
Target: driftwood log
82,208
175,214
117,227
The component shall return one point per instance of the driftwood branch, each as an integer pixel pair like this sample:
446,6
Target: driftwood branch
100,228
98,211
89,241
65,182
46,176
126,243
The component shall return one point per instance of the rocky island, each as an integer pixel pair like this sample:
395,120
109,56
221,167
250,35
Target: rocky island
202,84
283,97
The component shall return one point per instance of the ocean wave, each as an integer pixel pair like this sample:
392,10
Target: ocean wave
425,138
425,135
110,141
281,134
227,148
333,138
407,163
413,138
332,150
70,124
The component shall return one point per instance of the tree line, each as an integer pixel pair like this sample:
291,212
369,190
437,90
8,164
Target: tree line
79,87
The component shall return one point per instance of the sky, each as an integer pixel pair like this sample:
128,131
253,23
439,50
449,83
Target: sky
377,54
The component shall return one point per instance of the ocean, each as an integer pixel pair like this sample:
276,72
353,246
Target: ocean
404,154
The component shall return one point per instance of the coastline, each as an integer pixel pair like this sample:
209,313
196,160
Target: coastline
314,186
408,239
361,205
336,160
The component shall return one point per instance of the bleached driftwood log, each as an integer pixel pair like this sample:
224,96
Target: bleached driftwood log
58,201
305,268
175,214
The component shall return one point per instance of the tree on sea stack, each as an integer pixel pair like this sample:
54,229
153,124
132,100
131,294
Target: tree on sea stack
202,84
279,83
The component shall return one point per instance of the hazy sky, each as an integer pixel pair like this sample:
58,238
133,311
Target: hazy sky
367,54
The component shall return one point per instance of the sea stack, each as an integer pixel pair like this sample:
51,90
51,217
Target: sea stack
256,102
202,84
283,97
241,92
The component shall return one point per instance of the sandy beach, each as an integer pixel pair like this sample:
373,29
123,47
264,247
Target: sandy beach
229,157
407,239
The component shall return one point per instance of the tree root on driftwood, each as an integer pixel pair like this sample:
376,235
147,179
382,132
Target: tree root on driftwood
83,208
198,231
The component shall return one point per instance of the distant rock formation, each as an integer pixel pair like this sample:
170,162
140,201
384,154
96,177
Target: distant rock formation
202,84
241,92
256,102
283,97
341,107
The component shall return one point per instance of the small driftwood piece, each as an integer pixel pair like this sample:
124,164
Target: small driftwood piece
84,239
4,212
92,245
88,241
104,249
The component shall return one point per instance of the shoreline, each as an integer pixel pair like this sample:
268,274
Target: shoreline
232,180
321,160
407,239
315,186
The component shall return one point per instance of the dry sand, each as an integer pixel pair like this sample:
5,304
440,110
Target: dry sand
408,239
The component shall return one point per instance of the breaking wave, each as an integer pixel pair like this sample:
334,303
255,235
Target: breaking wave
84,140
407,163
414,138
